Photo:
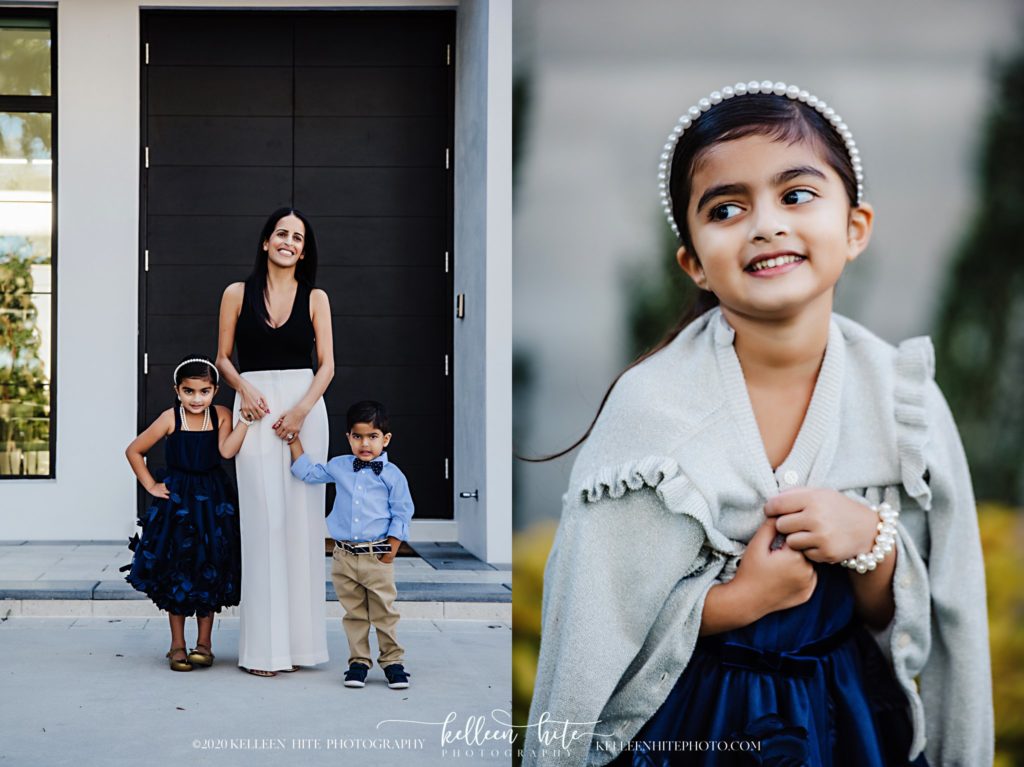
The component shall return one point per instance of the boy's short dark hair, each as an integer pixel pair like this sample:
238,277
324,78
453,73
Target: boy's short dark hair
371,412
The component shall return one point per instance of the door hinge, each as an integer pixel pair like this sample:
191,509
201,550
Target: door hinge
446,262
147,156
446,468
447,158
145,364
460,306
448,54
147,53
147,260
446,364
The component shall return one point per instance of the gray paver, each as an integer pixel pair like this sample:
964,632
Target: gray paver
72,589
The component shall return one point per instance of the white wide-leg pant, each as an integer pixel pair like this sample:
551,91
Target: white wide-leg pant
282,609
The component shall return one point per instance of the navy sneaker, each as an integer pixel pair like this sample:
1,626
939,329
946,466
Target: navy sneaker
356,675
398,677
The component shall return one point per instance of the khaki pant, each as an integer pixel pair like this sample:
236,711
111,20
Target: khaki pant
366,590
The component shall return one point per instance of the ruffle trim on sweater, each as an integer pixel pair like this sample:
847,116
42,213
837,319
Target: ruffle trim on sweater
915,366
674,488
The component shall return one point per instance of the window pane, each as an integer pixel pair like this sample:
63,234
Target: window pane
24,57
25,293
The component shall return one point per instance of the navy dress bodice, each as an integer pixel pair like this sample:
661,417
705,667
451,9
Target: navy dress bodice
808,684
192,452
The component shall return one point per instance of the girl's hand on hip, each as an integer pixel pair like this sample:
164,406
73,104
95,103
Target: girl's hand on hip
287,427
159,490
823,524
774,579
254,404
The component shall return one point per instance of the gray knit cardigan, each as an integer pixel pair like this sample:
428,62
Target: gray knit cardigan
670,486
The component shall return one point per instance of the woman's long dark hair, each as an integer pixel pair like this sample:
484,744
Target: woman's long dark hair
305,270
777,117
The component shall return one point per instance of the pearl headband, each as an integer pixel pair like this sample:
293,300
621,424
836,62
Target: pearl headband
691,115
216,373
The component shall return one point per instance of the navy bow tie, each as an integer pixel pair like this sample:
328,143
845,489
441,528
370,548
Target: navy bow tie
376,466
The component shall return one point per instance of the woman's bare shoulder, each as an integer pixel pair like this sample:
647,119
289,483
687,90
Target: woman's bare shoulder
233,296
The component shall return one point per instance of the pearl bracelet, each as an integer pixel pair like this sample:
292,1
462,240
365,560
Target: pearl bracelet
884,541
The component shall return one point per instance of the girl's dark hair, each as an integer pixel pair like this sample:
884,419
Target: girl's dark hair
305,270
200,370
777,117
757,114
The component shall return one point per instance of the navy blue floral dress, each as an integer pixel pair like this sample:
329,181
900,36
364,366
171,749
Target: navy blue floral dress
808,685
188,558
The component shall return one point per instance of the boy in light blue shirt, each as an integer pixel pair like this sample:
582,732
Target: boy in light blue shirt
369,521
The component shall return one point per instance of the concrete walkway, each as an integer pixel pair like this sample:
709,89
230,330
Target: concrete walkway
85,691
85,680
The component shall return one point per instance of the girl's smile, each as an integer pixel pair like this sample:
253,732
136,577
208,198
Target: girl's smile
771,264
771,226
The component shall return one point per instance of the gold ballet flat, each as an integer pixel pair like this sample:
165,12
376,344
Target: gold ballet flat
178,665
197,658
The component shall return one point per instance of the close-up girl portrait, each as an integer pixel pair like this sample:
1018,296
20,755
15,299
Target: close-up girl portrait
782,535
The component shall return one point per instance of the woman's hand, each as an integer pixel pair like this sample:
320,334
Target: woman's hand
254,405
823,524
774,579
287,427
159,490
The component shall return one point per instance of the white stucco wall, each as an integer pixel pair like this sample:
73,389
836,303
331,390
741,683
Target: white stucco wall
483,259
93,495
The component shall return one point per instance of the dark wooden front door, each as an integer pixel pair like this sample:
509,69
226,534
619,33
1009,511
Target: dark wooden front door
347,116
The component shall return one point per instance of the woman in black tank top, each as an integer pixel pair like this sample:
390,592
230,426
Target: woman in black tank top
279,323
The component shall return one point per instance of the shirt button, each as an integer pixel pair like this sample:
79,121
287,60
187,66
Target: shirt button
905,582
357,503
790,477
903,640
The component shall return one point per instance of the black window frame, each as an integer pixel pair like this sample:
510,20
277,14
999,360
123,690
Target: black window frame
43,105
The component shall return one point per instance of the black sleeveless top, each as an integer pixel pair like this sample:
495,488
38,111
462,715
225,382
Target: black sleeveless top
286,347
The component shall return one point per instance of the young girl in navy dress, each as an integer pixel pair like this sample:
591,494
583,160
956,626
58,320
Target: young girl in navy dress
187,559
769,550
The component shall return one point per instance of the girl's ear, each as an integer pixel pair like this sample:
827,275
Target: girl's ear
690,264
266,245
859,229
